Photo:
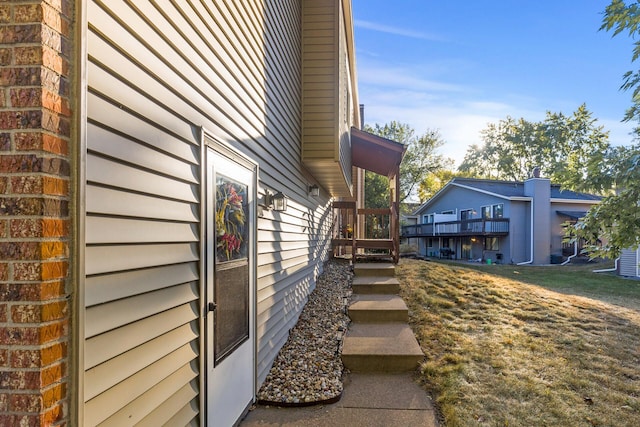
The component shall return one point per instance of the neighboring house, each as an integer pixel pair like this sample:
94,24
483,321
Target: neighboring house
629,264
501,221
146,276
406,220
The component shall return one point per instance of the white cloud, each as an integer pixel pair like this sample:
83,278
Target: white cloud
409,96
399,77
403,32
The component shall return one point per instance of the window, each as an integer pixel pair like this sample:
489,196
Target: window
430,242
498,210
491,244
466,214
449,212
493,211
427,219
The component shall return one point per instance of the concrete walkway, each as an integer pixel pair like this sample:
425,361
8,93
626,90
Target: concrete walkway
368,400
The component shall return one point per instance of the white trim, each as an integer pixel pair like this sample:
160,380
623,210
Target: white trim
209,141
500,196
576,201
78,156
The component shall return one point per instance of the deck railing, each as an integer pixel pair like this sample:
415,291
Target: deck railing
379,238
469,227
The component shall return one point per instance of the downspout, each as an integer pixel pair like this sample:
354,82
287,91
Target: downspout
575,253
531,237
604,270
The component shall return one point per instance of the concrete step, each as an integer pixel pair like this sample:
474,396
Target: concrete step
381,347
375,285
376,269
378,308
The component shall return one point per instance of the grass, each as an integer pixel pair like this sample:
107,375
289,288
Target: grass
526,346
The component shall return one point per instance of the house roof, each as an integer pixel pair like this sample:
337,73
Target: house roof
510,190
516,189
376,154
572,214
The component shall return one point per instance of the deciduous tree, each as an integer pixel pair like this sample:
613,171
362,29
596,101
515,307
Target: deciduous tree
570,150
421,158
615,223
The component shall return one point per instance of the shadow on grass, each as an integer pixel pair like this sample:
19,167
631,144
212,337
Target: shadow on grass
579,280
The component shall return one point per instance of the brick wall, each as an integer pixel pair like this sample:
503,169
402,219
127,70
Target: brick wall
35,130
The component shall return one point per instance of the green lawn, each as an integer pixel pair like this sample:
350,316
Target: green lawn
526,346
571,279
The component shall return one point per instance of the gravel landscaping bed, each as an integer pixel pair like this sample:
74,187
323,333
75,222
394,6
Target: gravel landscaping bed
308,368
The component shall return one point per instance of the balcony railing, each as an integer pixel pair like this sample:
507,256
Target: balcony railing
469,227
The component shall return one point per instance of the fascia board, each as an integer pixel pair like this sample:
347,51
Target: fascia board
576,201
490,193
431,200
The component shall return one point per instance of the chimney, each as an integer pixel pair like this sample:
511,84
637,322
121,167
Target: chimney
361,116
539,189
536,172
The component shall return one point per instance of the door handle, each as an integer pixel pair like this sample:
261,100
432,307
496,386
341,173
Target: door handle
212,306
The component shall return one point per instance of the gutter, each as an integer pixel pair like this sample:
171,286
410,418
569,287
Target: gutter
575,253
604,270
531,237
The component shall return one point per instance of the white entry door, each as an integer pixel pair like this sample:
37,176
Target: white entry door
230,287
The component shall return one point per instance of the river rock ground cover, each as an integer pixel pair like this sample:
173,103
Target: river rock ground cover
308,368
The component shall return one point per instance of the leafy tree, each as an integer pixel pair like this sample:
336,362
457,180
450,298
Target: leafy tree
615,222
434,182
568,149
510,151
421,158
620,17
376,191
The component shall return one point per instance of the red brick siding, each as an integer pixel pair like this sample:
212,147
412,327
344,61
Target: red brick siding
35,132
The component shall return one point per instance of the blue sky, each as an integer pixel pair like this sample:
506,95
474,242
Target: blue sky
457,66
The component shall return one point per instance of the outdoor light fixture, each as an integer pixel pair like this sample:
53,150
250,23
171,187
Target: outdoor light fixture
277,201
314,190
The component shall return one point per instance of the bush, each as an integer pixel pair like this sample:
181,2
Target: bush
407,248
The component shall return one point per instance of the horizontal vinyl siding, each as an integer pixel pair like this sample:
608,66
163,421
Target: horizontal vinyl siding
629,263
321,81
157,72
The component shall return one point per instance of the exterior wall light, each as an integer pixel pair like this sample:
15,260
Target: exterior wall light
314,190
277,201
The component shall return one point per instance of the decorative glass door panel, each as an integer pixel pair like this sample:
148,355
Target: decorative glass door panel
231,285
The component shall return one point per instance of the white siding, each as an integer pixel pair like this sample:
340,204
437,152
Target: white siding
157,72
629,263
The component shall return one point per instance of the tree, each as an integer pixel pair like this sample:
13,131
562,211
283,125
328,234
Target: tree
376,191
615,222
569,150
510,151
421,158
434,182
621,17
